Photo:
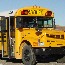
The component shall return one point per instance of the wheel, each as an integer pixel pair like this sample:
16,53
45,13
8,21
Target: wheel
28,56
61,60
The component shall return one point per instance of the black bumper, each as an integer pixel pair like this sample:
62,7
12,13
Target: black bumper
49,51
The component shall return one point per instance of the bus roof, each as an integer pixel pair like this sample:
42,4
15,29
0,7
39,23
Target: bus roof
33,11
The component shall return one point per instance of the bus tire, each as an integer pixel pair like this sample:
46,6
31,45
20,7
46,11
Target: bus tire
28,56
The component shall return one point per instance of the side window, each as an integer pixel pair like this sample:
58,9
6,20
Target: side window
2,23
19,22
49,23
12,22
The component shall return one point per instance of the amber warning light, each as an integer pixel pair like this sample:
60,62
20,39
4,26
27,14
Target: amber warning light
24,12
48,13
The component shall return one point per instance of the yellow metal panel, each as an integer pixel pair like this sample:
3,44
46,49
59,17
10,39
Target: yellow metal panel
17,43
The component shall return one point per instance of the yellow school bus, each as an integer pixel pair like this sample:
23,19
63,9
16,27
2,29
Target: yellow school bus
30,33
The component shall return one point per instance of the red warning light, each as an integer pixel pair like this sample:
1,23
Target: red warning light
48,13
24,12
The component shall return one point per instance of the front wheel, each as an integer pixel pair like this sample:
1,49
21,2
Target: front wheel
28,56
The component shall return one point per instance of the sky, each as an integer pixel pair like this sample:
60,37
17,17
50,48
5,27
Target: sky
57,6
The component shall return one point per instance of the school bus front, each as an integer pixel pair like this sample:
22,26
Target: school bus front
30,23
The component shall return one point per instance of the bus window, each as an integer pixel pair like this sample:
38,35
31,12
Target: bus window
45,23
0,23
19,22
32,22
48,23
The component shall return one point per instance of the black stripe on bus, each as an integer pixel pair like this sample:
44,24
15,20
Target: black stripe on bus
2,41
3,36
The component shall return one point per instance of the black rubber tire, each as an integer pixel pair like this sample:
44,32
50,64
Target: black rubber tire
61,60
29,59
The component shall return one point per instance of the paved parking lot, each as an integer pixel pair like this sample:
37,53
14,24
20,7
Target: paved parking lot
51,60
3,62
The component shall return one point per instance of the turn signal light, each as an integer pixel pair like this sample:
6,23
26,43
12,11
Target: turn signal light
24,12
48,13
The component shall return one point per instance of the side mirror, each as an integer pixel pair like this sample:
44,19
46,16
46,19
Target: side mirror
54,24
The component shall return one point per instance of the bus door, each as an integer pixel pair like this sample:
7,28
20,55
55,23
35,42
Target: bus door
11,36
4,34
11,27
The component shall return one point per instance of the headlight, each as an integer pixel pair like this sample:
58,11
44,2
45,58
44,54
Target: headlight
41,43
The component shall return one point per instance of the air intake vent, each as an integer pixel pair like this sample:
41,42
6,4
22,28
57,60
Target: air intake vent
62,36
55,36
58,36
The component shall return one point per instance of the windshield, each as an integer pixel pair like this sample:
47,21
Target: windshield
32,22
